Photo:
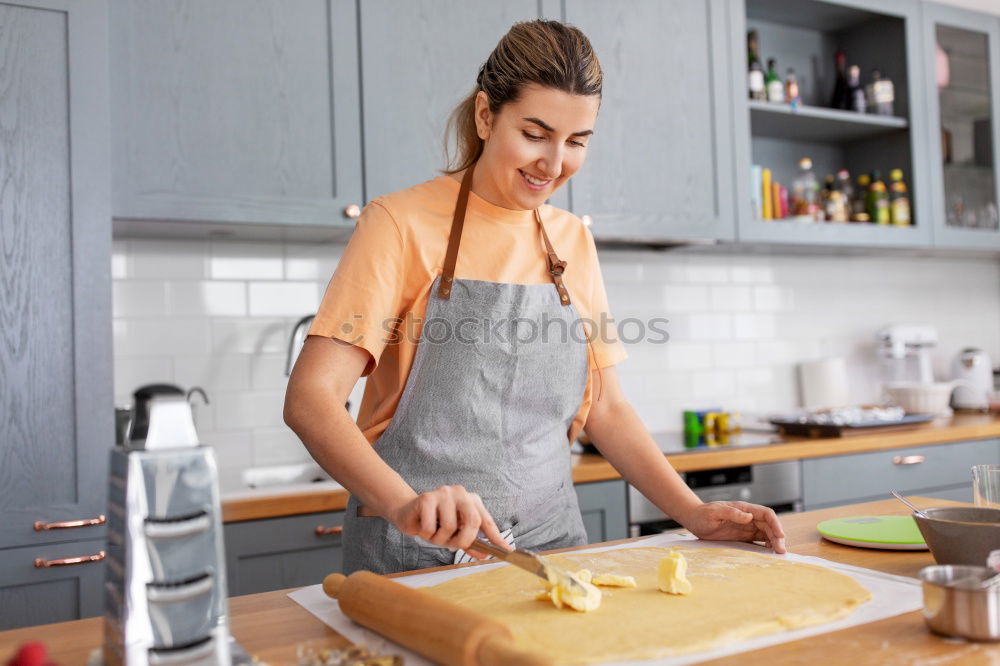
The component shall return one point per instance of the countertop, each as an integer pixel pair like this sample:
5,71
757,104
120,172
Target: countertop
745,449
270,625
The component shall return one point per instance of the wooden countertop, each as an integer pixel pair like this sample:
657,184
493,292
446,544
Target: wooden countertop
591,467
270,625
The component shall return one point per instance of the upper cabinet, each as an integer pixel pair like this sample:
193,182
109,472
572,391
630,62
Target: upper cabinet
882,128
235,113
962,58
660,163
419,59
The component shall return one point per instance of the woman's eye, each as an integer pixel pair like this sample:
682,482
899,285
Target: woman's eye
577,143
532,136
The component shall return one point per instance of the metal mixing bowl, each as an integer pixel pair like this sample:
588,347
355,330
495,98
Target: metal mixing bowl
960,535
955,605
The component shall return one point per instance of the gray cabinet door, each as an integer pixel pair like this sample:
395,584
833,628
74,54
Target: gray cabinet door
660,163
425,54
56,398
604,508
278,553
31,595
233,112
964,129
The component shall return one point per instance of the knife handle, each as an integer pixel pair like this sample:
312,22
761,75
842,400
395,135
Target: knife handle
479,544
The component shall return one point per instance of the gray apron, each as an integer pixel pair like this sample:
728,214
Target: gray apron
497,379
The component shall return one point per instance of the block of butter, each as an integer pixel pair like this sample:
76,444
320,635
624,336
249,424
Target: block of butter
672,574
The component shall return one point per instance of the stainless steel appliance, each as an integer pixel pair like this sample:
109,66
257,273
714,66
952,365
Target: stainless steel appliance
775,485
905,352
165,593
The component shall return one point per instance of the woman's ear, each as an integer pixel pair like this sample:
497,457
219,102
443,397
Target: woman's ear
484,117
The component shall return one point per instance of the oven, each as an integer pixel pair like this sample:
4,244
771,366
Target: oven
775,485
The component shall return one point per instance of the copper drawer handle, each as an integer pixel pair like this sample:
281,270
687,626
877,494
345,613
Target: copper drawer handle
324,531
908,460
90,522
45,564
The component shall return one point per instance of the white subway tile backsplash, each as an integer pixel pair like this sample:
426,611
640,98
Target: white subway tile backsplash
139,298
158,337
166,259
283,299
231,260
250,335
731,299
219,314
207,298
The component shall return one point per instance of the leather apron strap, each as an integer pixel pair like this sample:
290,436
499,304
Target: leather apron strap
556,265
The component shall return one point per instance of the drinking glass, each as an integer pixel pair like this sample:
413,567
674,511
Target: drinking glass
986,485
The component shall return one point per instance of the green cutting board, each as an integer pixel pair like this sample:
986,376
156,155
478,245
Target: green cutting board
883,532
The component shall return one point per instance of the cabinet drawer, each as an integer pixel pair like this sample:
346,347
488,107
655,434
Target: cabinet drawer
30,595
841,479
604,508
278,553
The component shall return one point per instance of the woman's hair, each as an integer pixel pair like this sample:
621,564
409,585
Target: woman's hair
549,53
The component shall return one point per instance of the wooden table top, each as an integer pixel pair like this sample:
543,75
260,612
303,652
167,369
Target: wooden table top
590,467
270,625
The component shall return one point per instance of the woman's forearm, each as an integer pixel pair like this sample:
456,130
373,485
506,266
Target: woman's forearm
622,438
337,444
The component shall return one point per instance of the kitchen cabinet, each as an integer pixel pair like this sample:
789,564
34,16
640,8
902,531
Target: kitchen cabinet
604,507
659,166
942,470
277,553
55,306
962,60
887,36
428,53
30,595
229,113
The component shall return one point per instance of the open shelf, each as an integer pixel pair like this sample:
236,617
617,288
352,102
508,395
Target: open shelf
813,123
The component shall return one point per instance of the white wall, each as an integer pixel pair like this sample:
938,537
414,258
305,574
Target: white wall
991,6
219,315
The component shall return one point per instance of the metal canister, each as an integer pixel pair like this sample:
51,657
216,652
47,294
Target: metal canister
956,603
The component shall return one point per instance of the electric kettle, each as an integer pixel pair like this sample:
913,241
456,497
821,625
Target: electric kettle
972,366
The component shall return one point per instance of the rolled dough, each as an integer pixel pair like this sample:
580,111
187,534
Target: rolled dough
735,595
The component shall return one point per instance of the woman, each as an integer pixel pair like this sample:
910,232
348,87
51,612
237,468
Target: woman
462,300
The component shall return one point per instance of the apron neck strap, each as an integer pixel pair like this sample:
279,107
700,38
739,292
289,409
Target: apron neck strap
556,265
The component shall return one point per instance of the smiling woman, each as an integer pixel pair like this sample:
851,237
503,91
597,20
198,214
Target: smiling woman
481,363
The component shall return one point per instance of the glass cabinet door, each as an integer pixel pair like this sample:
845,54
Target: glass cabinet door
963,57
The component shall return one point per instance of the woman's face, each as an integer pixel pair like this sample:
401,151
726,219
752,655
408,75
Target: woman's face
532,146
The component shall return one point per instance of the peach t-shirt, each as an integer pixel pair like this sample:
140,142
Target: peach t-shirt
397,250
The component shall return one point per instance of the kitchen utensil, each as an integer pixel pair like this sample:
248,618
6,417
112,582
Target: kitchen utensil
531,562
917,398
165,599
973,367
960,535
437,629
908,503
956,602
880,532
829,424
986,485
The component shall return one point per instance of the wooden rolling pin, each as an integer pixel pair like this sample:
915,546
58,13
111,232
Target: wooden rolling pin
435,628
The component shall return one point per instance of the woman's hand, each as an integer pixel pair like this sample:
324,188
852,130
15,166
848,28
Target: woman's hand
449,516
736,521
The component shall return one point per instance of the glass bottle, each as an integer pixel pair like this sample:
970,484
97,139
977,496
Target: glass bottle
899,200
881,94
805,189
859,206
855,93
755,72
840,98
792,95
775,88
877,201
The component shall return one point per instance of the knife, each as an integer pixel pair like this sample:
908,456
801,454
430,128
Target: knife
531,562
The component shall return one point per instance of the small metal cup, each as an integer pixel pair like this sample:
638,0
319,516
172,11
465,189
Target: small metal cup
955,604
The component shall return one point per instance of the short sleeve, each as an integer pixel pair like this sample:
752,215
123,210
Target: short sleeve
607,348
363,300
